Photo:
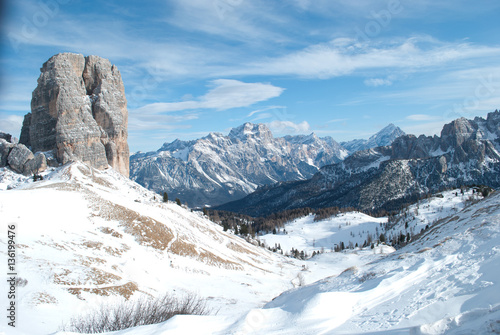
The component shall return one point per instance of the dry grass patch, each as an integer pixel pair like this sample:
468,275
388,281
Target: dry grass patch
125,290
93,245
241,249
146,230
43,298
112,232
209,258
89,276
181,248
89,261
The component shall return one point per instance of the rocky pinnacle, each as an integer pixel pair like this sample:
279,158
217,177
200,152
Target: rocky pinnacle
79,111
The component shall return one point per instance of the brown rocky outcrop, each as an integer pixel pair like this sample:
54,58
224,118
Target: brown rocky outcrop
79,111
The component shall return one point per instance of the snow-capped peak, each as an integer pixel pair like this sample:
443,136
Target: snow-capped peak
249,130
384,137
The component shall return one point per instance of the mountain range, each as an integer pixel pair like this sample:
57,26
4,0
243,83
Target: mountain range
384,137
217,169
466,153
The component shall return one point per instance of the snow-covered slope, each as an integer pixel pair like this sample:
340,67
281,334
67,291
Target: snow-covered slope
85,236
446,282
305,234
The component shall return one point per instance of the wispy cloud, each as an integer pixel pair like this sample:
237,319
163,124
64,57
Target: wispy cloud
377,82
249,22
330,60
289,127
225,94
421,117
11,124
145,121
337,120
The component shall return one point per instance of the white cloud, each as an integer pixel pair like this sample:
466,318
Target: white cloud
375,82
246,21
428,128
11,124
265,109
225,94
337,120
330,60
146,121
289,127
262,116
421,117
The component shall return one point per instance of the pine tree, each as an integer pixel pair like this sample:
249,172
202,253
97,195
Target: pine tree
165,197
178,201
244,230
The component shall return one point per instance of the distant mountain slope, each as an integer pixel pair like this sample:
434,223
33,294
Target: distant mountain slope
467,152
384,137
217,168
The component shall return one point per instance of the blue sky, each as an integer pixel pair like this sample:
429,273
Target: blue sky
337,68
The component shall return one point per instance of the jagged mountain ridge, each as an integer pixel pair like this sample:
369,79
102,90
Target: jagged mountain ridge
217,168
384,137
467,152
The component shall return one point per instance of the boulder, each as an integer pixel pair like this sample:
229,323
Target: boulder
5,136
19,159
5,148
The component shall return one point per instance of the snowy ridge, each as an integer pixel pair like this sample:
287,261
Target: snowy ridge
86,236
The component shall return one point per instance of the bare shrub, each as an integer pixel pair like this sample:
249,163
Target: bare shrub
299,280
21,282
142,312
367,276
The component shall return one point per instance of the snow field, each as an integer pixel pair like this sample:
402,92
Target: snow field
82,231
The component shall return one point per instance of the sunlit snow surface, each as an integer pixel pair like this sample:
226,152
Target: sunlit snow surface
446,282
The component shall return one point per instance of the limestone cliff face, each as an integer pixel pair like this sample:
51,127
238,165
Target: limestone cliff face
79,110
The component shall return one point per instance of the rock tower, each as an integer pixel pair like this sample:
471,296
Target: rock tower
79,111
